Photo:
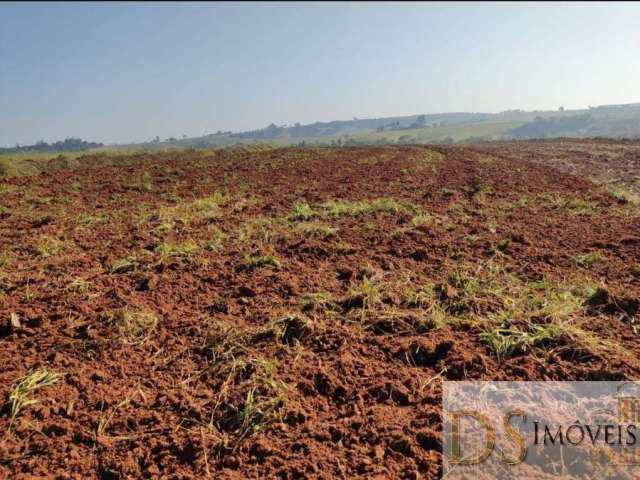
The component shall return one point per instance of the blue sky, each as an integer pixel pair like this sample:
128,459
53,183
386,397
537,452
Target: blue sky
119,72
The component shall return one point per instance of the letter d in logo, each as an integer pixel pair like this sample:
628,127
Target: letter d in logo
455,437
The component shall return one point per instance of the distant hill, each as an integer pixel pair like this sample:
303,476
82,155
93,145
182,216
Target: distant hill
337,127
605,121
602,121
616,121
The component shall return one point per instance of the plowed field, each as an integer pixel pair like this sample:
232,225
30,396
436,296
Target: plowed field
292,313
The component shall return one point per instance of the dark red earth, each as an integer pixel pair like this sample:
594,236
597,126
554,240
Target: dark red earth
239,379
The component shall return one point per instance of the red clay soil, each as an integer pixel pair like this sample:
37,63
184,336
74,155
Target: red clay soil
239,379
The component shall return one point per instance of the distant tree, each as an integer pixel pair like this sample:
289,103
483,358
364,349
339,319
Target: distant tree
561,109
421,121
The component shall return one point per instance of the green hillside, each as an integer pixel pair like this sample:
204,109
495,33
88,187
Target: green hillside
609,121
622,121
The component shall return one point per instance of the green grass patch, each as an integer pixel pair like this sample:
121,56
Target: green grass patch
143,185
625,196
22,391
317,302
7,167
262,230
572,204
89,220
216,239
301,211
588,260
424,220
366,295
260,261
135,326
514,315
183,249
122,265
344,208
250,394
315,230
188,212
263,399
80,285
48,246
6,188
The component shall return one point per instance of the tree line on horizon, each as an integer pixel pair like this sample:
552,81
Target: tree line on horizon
69,144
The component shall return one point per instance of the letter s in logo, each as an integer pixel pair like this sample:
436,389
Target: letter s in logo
515,436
